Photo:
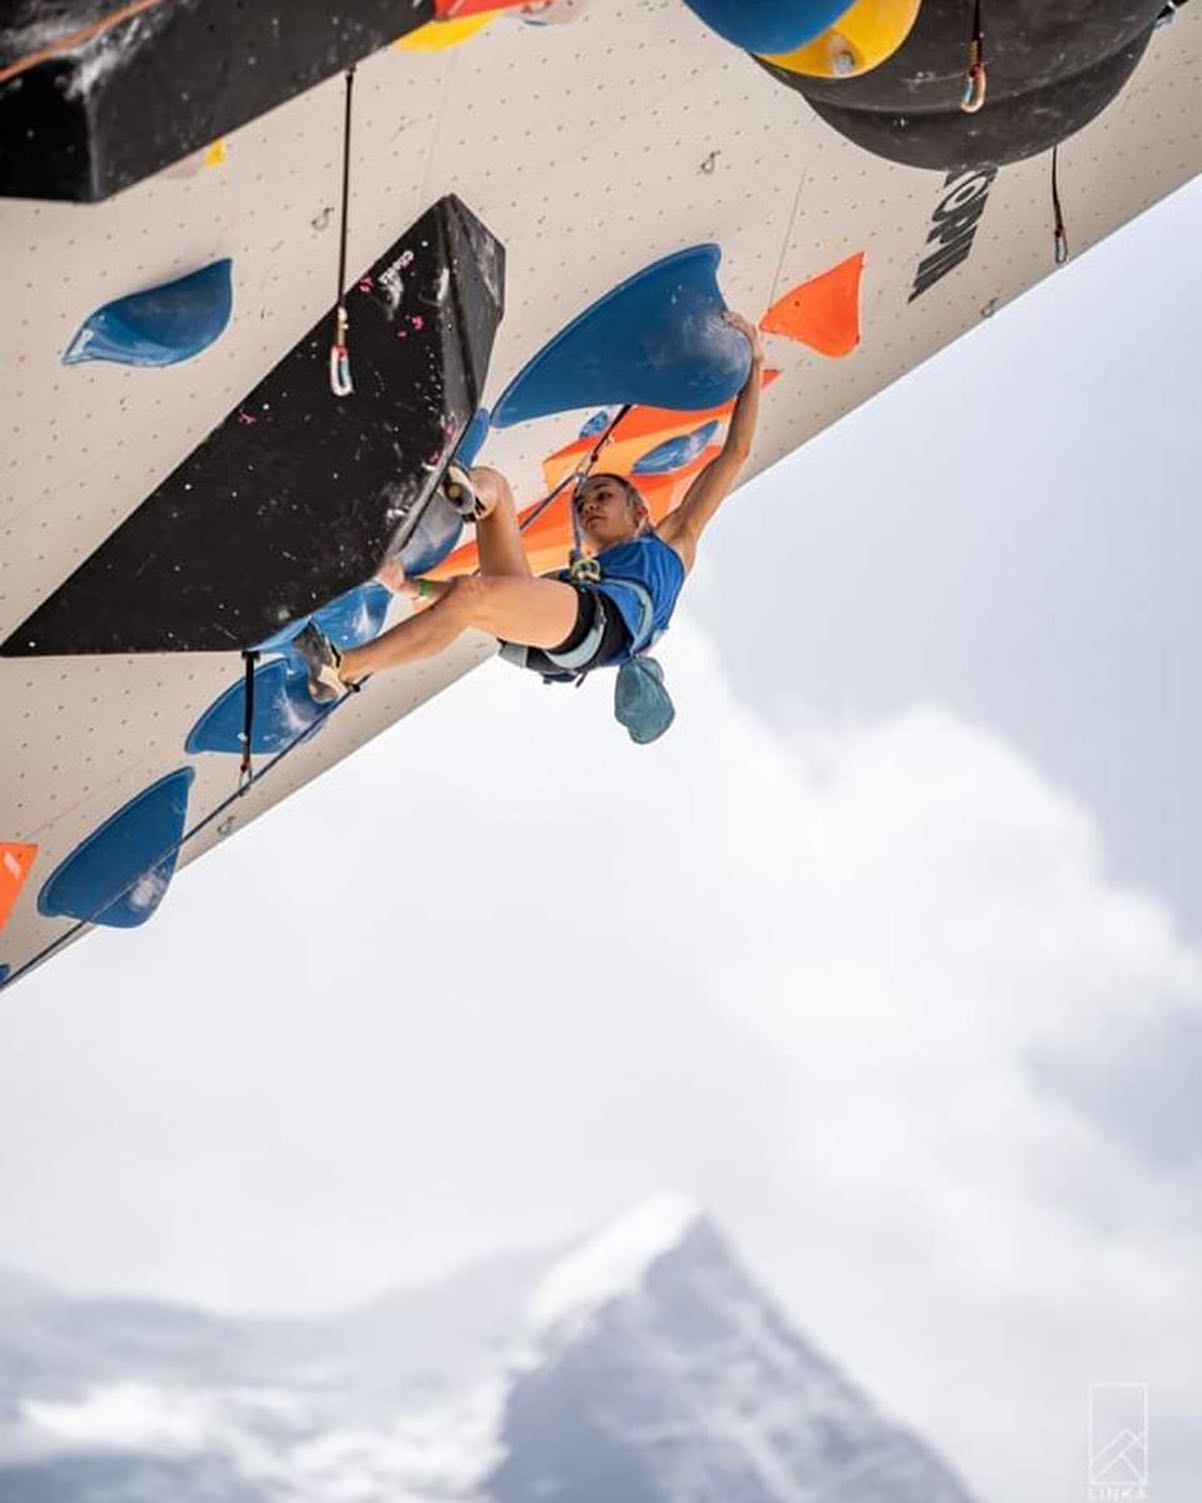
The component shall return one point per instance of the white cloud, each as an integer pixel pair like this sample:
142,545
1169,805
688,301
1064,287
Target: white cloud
796,977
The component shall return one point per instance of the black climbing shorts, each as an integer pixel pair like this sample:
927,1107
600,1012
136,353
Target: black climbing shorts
594,608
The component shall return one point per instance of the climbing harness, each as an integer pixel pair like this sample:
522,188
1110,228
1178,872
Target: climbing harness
1061,234
571,665
641,701
584,571
340,362
975,81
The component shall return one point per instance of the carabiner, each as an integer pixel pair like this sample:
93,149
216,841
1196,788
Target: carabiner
974,89
340,360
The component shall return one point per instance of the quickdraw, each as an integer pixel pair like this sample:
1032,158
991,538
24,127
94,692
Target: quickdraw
1061,234
975,82
245,772
340,360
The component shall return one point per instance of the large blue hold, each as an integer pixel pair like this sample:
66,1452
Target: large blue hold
120,873
473,439
435,535
161,326
769,26
284,710
348,620
658,339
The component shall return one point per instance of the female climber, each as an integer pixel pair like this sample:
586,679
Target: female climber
601,612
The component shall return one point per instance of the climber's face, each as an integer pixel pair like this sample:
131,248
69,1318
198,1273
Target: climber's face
610,511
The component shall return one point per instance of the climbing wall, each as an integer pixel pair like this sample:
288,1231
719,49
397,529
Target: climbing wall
587,156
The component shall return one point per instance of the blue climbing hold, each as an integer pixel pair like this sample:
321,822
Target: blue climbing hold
769,26
284,710
4,973
675,453
356,617
596,424
473,439
161,326
435,535
657,339
119,874
348,620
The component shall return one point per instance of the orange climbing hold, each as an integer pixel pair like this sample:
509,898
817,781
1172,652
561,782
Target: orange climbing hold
15,864
460,10
823,313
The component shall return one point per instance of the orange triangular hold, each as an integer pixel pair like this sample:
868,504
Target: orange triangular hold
15,862
824,312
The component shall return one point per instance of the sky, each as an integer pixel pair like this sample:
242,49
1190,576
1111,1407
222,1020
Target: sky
888,953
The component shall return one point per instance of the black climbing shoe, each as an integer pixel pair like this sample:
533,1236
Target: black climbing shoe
321,658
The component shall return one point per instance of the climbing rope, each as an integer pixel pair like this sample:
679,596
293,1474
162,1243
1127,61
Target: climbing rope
576,477
340,362
1061,234
974,83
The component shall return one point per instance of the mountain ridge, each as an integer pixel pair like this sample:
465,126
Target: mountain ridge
641,1365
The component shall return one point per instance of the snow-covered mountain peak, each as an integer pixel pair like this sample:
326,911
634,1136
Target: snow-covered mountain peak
613,1262
659,1372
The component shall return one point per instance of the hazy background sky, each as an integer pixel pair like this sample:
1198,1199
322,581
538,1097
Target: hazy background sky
888,953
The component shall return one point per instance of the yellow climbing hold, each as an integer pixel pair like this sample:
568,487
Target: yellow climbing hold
437,36
861,39
215,154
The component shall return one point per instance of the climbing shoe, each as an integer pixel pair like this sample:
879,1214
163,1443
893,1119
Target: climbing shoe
458,490
321,659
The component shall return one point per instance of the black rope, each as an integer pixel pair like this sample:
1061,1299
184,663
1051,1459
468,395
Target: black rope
346,184
541,506
1061,234
249,658
579,474
175,847
340,368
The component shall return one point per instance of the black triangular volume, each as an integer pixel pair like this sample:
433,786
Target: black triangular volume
138,92
299,495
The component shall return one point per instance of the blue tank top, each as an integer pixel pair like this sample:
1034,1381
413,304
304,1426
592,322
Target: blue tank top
653,564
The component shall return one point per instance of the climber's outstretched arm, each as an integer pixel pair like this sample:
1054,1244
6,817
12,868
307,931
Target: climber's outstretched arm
684,524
